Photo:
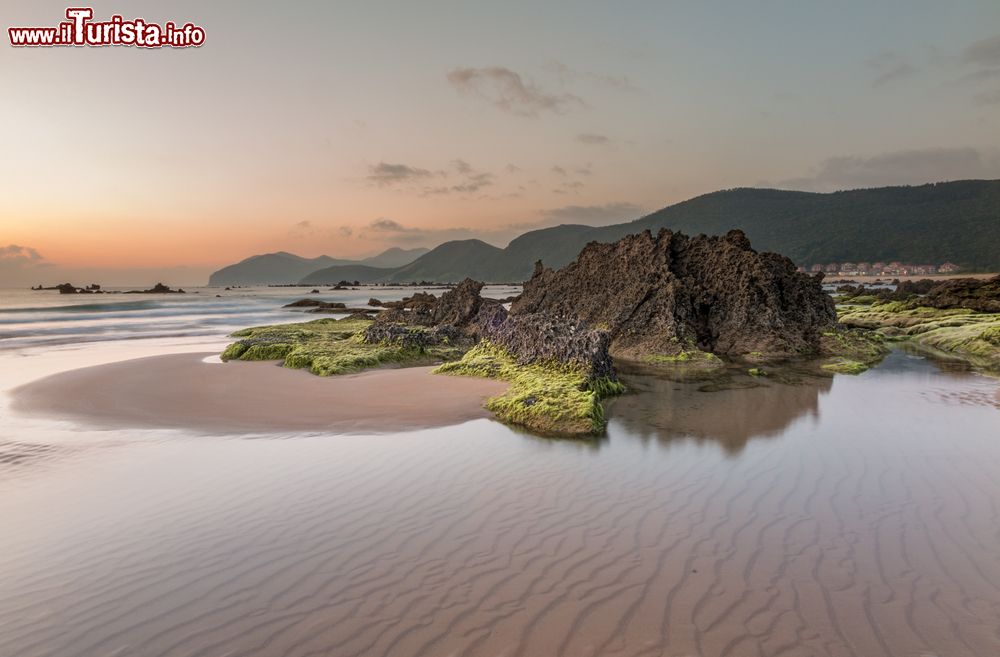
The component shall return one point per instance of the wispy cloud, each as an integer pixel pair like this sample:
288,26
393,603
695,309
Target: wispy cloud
910,167
568,74
301,229
985,52
890,67
508,91
896,72
593,139
984,58
385,174
460,178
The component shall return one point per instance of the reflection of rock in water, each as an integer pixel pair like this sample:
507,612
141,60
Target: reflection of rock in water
729,411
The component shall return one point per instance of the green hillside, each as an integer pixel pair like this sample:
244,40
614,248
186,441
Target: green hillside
954,221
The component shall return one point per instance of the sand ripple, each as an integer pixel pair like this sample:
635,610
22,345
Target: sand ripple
847,538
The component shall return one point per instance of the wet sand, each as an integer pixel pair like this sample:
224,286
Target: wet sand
181,391
859,520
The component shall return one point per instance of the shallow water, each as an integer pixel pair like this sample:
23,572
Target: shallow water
846,516
32,318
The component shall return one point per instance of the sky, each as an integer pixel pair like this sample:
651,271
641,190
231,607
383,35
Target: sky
345,128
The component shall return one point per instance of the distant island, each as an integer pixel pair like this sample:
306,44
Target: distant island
957,223
94,288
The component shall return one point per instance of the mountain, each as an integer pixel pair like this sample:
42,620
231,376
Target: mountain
451,261
394,257
953,221
278,268
350,273
286,268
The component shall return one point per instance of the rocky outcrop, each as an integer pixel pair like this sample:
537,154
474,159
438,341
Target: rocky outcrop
159,288
669,293
969,293
315,303
459,305
417,310
542,338
410,337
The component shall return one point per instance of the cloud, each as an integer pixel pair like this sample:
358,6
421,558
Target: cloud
384,174
512,168
594,215
558,170
983,57
462,166
472,180
593,139
302,229
894,73
21,255
385,225
345,231
19,264
616,82
890,67
985,52
911,167
506,90
461,178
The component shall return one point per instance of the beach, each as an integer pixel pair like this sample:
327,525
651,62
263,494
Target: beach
146,512
198,392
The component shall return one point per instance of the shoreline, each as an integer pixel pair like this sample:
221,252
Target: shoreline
183,391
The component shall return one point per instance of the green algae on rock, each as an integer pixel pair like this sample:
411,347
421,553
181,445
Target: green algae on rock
328,347
549,397
968,335
685,357
851,351
845,366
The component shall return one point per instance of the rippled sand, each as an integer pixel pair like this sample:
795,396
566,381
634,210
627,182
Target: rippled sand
858,519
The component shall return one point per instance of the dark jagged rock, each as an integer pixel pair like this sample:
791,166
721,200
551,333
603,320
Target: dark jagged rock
669,293
315,303
489,318
543,338
456,307
410,336
417,310
970,293
159,288
460,305
69,288
374,303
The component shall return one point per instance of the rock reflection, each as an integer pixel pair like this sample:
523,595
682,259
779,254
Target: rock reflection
730,409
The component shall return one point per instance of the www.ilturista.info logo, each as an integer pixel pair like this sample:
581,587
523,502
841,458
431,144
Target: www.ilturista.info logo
81,30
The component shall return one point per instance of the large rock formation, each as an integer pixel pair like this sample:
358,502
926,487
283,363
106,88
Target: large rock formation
669,293
973,294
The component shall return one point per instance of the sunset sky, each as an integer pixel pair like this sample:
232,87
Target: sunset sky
343,128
